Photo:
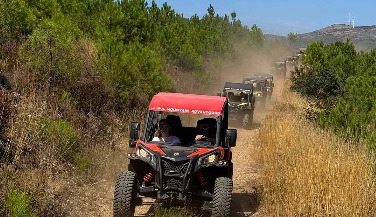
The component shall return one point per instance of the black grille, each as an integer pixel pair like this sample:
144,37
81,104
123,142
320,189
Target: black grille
170,167
173,174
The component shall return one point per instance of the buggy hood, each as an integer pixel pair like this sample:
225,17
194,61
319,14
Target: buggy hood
179,153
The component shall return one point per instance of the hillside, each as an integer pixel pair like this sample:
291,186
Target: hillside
363,37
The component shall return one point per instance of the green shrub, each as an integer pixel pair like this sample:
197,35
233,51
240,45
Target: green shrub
82,162
318,84
50,52
18,204
136,70
62,135
63,94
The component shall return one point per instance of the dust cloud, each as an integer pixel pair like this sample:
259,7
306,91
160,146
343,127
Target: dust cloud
249,61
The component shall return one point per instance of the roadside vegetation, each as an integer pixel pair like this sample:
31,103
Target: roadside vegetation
340,85
317,147
306,171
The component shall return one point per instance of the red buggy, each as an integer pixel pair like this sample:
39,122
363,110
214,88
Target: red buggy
174,174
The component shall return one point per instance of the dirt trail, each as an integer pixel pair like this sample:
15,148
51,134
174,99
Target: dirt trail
96,199
245,199
246,170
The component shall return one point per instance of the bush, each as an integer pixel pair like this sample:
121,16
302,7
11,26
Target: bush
82,162
62,136
319,85
51,52
18,204
138,71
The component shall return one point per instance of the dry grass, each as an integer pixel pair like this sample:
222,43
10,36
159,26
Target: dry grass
38,169
308,172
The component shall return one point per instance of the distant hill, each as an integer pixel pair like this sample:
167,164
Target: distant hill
363,37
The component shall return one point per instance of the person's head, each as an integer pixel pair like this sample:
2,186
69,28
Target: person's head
231,96
204,126
164,127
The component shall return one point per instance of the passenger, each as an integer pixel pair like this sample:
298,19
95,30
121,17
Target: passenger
242,95
267,83
175,125
163,133
206,130
231,96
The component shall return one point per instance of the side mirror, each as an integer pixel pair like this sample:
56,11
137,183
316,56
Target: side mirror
134,134
219,94
231,135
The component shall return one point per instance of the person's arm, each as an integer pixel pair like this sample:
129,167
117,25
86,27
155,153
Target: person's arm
209,138
199,137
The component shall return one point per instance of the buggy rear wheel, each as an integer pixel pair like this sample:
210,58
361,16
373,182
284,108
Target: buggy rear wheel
125,194
221,204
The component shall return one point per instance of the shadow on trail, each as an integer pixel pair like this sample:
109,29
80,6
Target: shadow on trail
243,204
254,125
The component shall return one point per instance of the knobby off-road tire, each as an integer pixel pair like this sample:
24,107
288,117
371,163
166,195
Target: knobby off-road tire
221,204
125,194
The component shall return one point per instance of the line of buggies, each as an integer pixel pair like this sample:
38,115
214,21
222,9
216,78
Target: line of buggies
195,172
244,97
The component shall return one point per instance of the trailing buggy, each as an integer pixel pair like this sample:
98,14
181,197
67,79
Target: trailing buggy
241,103
263,87
174,174
279,68
292,60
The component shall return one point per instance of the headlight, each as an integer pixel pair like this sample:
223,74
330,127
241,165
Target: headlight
210,158
147,155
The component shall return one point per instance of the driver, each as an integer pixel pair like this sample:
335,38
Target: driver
205,131
163,133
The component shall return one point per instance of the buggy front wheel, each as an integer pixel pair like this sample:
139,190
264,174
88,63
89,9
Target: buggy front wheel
125,194
222,197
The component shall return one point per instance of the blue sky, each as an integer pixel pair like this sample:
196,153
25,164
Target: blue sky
283,16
